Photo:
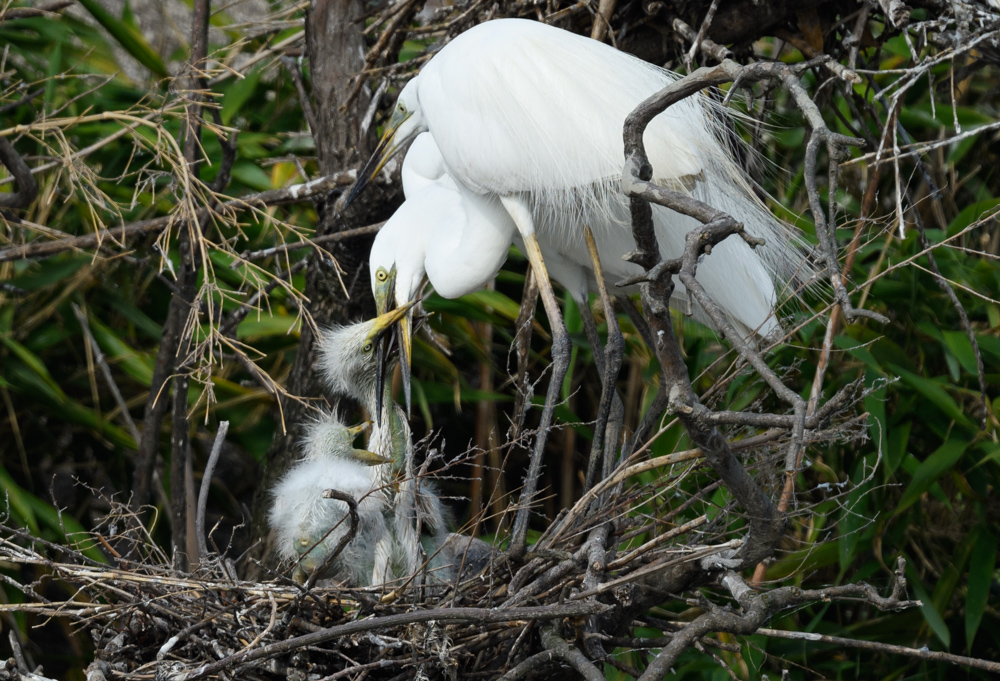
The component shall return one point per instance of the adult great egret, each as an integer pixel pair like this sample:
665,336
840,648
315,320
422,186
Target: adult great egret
308,526
530,117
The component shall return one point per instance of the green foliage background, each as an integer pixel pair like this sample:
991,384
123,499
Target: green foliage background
929,472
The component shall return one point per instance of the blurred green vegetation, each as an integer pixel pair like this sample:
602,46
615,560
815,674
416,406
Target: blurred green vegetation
921,483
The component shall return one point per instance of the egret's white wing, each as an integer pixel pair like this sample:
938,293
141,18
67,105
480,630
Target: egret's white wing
546,107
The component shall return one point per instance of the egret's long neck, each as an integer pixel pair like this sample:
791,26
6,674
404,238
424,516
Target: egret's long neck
471,240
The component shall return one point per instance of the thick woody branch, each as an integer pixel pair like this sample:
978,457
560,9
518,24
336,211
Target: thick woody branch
757,609
707,46
557,649
11,13
716,226
206,483
884,648
27,187
766,524
897,12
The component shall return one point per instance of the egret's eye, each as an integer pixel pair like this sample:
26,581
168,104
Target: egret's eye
367,347
401,108
381,275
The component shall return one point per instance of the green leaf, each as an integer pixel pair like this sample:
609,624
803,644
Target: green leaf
853,519
267,325
137,365
935,393
55,64
140,319
875,406
936,465
947,582
238,94
992,450
970,214
501,304
574,322
128,37
17,497
899,438
37,514
251,175
983,562
931,615
32,361
50,272
24,379
958,343
804,560
439,393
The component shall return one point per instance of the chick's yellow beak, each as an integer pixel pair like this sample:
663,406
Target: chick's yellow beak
358,429
370,458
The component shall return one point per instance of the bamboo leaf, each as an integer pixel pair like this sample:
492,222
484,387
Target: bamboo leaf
135,364
32,361
934,392
128,37
931,615
936,465
267,326
238,94
17,498
983,562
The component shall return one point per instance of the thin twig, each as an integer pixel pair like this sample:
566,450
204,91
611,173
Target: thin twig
480,615
206,482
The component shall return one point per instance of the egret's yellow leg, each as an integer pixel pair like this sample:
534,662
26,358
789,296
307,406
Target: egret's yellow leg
610,411
560,363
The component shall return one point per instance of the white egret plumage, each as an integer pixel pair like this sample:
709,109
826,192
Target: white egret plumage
459,240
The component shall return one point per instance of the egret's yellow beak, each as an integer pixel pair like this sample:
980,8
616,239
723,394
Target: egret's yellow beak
384,321
405,330
381,345
384,290
387,147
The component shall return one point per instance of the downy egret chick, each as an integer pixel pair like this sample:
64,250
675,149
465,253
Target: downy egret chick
308,526
349,360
